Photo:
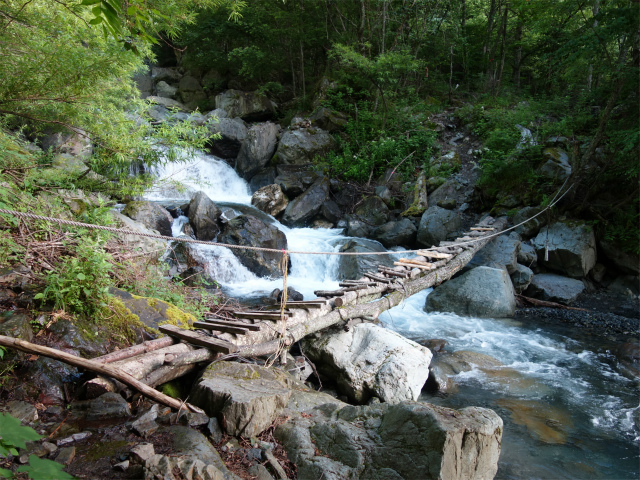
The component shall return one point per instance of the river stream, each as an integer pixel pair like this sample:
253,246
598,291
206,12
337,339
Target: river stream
569,411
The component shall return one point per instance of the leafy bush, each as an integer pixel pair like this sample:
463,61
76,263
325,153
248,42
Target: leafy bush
14,436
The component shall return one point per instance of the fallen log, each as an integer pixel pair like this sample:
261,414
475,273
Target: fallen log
544,303
166,374
192,357
103,369
138,367
134,350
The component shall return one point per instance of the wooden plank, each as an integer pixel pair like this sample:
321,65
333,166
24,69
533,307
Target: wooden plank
261,315
248,326
390,271
329,293
220,328
482,229
434,254
411,265
411,261
302,304
378,278
356,284
199,339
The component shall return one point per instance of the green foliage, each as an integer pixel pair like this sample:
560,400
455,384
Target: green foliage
14,436
80,282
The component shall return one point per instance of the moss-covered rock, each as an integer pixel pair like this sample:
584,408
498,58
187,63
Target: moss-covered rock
149,311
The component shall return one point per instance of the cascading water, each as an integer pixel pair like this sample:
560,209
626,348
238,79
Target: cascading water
568,411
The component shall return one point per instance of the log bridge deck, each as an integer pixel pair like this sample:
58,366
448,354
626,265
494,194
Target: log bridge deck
254,333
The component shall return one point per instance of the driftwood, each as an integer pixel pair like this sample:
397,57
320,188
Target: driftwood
545,303
199,339
102,369
356,304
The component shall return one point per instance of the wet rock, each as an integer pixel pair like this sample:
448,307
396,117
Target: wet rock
572,248
170,74
23,411
292,295
66,455
481,292
372,211
190,90
151,311
249,106
328,119
352,267
531,227
460,189
266,176
302,209
246,398
46,378
557,167
15,325
404,441
356,227
331,211
151,247
301,146
168,103
527,255
204,216
521,278
76,437
435,345
399,233
369,360
257,149
447,365
251,231
270,199
555,288
107,406
501,252
151,215
232,134
624,261
436,224
163,89
142,452
548,424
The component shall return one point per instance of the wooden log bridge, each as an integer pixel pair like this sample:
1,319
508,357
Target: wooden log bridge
258,333
265,333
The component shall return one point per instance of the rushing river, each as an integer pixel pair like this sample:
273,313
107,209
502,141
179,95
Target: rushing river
568,410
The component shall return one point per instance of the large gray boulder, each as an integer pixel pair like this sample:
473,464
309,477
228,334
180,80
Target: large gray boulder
572,248
436,224
352,267
167,103
270,200
456,189
530,227
626,262
190,90
151,247
302,209
257,149
557,167
170,74
391,234
163,89
151,215
232,133
245,398
328,119
251,231
204,216
301,146
527,255
406,441
480,292
373,211
501,252
521,278
249,106
370,361
555,288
